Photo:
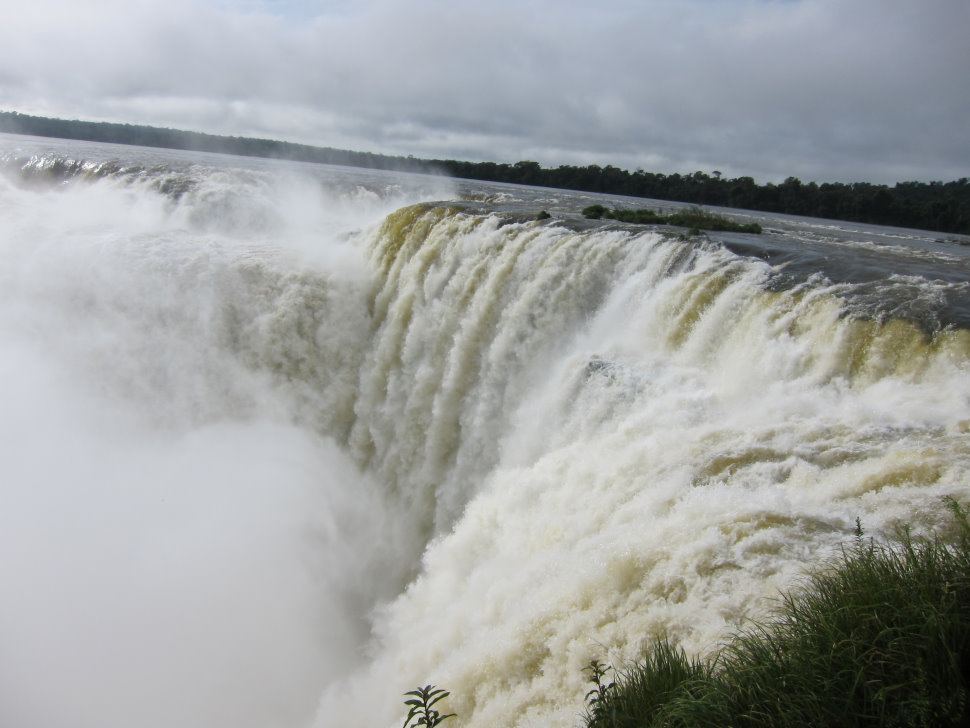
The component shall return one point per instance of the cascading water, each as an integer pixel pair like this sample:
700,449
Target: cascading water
621,437
276,453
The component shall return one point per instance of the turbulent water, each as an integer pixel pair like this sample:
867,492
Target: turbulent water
281,441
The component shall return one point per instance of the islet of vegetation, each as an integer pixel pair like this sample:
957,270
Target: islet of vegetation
879,637
692,217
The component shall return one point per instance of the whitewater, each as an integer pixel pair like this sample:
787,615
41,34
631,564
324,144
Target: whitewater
280,442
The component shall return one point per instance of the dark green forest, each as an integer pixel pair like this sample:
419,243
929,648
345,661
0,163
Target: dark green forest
939,206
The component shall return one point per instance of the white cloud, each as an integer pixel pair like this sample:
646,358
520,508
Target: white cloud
817,88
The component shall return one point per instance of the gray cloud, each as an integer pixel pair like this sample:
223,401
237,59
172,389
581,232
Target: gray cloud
822,89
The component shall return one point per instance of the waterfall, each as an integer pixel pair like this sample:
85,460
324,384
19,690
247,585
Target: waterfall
282,442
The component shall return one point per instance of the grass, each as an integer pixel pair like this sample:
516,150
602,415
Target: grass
881,637
691,217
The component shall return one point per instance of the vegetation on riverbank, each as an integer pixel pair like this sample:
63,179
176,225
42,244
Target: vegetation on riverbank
941,206
880,638
692,217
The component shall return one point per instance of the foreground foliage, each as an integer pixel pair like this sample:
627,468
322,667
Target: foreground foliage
422,712
693,217
880,638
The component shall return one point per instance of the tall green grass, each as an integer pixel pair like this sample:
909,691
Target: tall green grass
880,637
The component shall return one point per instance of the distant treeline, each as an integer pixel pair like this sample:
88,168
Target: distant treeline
941,206
151,136
937,206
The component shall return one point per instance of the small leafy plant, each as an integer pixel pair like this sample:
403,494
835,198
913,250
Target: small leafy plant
422,713
598,699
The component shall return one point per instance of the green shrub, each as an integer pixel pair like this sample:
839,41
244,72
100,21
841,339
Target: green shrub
640,217
695,217
594,212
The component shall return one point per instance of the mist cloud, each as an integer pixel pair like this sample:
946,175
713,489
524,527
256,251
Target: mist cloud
174,550
820,89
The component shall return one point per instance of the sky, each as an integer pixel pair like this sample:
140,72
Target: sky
824,90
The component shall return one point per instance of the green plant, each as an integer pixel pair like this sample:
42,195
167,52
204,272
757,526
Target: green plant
639,217
699,219
643,692
422,713
598,703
